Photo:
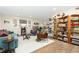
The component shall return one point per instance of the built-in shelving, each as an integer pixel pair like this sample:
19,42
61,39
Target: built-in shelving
67,29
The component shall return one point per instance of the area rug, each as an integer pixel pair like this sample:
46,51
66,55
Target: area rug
28,46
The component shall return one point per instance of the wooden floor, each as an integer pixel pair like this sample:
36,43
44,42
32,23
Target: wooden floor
58,47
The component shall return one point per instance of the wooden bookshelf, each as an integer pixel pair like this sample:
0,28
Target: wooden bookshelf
68,26
55,27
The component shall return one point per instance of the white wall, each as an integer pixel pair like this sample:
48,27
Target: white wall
1,23
12,19
9,26
68,12
72,11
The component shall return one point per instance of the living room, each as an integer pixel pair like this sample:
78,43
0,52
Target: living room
29,29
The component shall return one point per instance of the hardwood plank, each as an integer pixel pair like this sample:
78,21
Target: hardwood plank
58,47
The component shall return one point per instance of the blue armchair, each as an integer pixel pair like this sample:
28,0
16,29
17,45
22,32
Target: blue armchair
12,45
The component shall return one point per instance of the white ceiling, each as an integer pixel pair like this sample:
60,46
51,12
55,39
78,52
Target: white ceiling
35,11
